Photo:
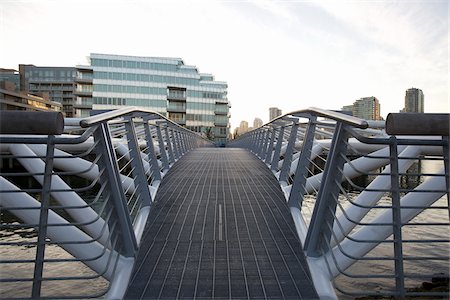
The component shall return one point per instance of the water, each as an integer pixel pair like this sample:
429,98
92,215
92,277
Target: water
88,283
425,268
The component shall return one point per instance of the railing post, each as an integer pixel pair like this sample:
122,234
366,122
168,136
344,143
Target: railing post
284,174
169,144
262,138
250,140
152,159
396,220
321,225
254,144
176,144
162,147
276,153
139,177
301,173
182,142
43,219
264,141
270,147
111,178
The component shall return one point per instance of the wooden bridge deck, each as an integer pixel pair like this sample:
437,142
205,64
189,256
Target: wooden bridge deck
220,228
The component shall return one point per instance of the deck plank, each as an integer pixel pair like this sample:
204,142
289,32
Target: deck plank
220,228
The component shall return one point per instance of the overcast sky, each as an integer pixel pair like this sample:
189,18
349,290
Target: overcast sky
289,54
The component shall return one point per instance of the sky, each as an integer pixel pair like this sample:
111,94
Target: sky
287,54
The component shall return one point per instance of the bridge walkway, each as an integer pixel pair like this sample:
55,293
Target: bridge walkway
220,228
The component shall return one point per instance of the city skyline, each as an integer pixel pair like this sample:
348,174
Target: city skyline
292,54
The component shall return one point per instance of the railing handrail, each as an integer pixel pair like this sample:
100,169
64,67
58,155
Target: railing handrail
334,115
121,112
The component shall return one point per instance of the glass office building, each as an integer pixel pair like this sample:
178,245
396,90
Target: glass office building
165,85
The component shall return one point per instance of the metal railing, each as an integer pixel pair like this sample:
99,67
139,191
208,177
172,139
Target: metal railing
371,208
74,206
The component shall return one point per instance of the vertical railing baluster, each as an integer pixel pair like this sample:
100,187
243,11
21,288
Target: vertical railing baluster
175,143
182,142
162,147
301,173
111,178
152,159
269,150
276,153
139,177
43,220
321,224
256,141
284,173
169,145
261,149
396,220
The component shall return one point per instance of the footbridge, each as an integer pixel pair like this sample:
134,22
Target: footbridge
315,204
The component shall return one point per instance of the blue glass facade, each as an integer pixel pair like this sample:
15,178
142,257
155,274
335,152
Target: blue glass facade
165,85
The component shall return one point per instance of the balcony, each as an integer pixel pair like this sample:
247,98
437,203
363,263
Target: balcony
222,101
83,105
85,80
220,112
174,107
176,94
221,123
83,93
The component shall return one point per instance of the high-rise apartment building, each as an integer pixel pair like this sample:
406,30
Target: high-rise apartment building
57,82
243,128
414,100
367,108
165,85
274,112
257,122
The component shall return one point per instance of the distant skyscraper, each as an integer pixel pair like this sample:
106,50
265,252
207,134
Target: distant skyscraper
367,108
243,127
58,82
274,112
414,100
257,123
